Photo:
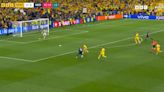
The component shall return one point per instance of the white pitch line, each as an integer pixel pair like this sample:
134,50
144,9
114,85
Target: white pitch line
13,41
76,51
92,47
56,37
18,59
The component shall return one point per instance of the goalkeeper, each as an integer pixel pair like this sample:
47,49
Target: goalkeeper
44,33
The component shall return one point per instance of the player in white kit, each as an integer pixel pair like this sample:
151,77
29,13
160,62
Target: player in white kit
44,34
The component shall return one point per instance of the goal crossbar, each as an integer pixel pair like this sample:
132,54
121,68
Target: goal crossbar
25,26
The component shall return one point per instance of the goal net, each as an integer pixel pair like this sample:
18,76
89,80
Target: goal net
30,26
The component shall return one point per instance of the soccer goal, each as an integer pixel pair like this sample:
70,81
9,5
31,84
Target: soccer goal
30,26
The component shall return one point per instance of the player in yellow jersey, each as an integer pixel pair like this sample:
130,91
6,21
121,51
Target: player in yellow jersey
158,49
137,39
85,49
102,53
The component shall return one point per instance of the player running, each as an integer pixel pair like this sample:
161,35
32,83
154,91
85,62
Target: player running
85,49
154,43
158,49
137,39
44,33
147,36
102,53
80,53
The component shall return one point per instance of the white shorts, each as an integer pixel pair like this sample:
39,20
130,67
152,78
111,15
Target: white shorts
44,34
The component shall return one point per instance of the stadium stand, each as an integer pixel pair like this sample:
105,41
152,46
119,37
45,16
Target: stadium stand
72,9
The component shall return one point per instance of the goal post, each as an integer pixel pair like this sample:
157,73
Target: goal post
22,27
17,28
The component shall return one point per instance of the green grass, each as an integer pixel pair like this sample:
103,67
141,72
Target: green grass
30,64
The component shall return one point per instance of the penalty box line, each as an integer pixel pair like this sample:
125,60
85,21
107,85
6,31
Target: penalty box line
17,59
55,37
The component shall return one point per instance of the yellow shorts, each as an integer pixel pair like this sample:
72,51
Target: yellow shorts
158,50
102,55
137,38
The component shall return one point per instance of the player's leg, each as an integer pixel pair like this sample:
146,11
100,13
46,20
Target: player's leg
81,55
140,40
154,49
103,55
136,41
85,51
158,51
99,56
44,36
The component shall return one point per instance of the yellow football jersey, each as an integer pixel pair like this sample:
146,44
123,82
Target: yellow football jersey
85,46
102,51
137,35
158,46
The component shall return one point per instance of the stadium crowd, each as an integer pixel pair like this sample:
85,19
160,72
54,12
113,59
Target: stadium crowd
72,9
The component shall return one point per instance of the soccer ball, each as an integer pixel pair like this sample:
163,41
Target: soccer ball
60,45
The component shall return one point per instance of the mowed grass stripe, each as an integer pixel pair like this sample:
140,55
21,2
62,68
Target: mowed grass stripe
80,27
126,69
79,76
97,46
74,51
89,48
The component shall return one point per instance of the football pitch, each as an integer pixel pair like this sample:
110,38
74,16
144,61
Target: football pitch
32,64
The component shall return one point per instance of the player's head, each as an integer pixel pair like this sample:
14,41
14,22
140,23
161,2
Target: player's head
102,48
